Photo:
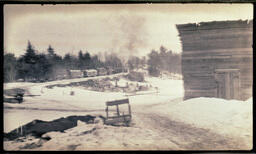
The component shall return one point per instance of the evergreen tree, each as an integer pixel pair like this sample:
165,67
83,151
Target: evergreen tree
96,63
54,60
81,61
22,69
67,61
43,67
80,55
87,60
30,59
30,55
50,51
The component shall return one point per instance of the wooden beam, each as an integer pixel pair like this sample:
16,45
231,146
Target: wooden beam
116,102
117,110
107,111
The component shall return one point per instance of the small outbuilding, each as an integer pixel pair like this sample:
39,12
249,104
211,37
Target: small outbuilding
217,59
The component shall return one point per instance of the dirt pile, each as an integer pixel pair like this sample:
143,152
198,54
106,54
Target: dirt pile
37,128
109,84
95,85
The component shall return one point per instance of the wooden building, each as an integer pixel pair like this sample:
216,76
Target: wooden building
217,59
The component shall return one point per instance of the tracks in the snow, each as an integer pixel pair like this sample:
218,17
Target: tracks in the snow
185,136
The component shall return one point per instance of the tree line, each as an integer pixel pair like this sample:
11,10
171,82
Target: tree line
163,60
157,62
37,66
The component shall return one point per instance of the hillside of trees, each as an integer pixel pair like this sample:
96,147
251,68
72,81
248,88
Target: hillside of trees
41,66
163,60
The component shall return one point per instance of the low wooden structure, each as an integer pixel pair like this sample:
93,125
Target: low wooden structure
102,71
60,74
119,119
217,59
14,95
75,74
90,73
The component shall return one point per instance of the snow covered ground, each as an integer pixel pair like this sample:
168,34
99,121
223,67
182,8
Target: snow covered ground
59,99
230,118
161,119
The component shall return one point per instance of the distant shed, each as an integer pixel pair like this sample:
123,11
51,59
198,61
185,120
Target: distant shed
217,59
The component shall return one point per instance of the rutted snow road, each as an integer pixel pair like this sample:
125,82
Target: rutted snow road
183,136
186,136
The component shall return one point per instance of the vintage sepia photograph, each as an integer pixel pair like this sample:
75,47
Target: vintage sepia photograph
81,77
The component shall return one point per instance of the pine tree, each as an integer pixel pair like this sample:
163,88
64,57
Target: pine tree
51,61
50,51
81,60
30,59
87,60
30,55
43,67
80,55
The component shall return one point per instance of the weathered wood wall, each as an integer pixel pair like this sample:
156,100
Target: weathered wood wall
208,46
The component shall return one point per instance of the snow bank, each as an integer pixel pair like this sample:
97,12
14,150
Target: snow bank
18,85
226,117
100,137
167,87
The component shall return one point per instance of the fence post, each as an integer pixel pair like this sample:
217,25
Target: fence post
129,109
107,111
117,109
21,130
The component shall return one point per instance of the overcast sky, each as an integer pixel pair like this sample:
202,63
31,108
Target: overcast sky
128,29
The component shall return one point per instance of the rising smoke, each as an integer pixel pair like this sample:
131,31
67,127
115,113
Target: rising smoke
130,35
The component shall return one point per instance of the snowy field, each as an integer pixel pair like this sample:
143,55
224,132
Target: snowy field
161,120
59,99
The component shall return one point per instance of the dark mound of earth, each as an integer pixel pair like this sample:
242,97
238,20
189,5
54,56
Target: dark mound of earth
38,127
